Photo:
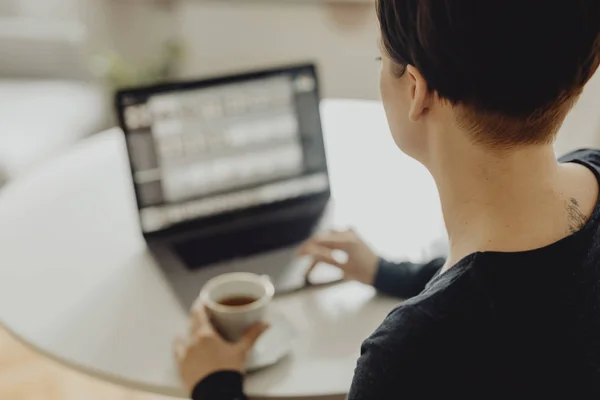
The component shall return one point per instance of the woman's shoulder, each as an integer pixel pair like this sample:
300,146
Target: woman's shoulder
450,301
401,329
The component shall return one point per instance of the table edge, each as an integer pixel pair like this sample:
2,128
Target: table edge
104,376
144,387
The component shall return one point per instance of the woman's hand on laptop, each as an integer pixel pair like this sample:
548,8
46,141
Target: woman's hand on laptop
361,263
205,351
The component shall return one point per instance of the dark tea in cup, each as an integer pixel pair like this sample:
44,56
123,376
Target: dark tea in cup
237,301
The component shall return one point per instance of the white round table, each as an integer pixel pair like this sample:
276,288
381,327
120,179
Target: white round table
78,284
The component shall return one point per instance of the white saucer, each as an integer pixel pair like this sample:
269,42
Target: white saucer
273,345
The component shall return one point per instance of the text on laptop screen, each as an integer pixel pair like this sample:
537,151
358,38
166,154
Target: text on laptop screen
200,152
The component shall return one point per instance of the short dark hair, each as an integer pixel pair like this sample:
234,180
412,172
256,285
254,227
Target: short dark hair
517,66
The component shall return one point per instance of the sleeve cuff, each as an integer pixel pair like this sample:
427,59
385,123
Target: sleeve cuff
406,279
221,385
387,280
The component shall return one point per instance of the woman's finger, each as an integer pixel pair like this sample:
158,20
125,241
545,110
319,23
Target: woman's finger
322,254
332,237
179,348
308,247
199,319
333,240
247,342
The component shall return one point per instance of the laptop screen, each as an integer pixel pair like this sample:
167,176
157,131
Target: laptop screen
207,148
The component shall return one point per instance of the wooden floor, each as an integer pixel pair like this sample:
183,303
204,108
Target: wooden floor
25,375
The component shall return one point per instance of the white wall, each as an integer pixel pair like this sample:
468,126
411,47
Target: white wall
134,28
224,35
582,126
234,35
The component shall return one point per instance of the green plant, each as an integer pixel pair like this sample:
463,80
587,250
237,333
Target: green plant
118,72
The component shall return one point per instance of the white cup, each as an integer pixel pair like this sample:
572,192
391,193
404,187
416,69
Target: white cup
233,321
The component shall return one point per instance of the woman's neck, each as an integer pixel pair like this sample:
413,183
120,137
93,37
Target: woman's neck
510,201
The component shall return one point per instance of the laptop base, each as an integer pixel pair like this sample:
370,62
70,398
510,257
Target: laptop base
282,264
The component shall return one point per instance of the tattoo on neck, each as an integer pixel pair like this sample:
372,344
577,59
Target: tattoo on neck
576,218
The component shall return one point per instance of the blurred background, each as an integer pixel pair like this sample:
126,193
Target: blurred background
61,60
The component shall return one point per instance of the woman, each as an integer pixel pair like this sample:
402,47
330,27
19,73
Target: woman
475,91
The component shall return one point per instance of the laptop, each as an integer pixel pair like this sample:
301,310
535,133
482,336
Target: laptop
230,174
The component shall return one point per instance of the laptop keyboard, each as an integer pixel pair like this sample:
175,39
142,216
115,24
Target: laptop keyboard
197,252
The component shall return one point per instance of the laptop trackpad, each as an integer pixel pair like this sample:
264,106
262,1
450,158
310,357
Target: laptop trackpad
287,270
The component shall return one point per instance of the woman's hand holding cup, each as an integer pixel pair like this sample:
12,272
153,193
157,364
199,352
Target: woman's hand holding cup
206,351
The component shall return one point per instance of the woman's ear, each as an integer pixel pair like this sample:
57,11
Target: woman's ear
420,96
